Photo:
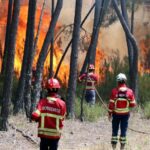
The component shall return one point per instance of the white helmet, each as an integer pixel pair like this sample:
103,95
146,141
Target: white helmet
121,77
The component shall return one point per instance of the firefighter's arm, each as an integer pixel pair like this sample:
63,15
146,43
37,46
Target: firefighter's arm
132,100
64,111
81,77
110,109
36,114
111,105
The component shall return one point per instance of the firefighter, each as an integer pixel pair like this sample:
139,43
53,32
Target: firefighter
121,100
92,79
50,114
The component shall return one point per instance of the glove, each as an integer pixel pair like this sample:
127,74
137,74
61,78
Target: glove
110,117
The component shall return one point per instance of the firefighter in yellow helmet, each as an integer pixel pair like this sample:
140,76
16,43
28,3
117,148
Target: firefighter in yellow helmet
50,114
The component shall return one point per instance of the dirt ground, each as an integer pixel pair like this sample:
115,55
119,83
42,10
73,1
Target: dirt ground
76,135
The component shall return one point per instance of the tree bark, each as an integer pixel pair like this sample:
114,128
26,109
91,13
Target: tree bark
129,44
39,26
96,19
132,16
135,47
21,85
73,61
66,50
90,56
28,76
43,54
52,45
9,16
7,87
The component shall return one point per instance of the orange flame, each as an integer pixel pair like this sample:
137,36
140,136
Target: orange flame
144,64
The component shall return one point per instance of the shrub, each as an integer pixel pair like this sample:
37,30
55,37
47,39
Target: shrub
147,110
91,113
144,86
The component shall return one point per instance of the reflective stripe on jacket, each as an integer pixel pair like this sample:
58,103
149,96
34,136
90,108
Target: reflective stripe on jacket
50,114
121,100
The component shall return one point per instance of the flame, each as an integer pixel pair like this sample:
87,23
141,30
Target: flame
21,39
63,75
64,69
99,65
144,63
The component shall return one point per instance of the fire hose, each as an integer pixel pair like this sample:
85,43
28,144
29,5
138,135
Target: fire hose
105,106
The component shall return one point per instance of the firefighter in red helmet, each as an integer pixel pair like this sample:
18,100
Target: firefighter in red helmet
92,79
50,114
121,100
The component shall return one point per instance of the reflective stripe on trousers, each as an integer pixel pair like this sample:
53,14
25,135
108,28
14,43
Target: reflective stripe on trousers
122,122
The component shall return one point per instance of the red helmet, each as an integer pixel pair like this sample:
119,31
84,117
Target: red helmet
91,67
52,84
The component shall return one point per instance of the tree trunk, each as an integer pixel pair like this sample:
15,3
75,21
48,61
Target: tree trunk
66,50
52,45
7,88
73,61
9,16
132,16
27,91
21,85
96,19
43,54
135,47
129,44
39,26
90,56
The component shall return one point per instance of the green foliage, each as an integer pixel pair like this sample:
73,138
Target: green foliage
91,113
137,3
110,77
147,110
144,86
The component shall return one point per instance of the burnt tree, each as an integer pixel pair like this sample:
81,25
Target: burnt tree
28,74
29,36
52,45
43,54
129,35
90,56
8,80
9,16
69,44
73,61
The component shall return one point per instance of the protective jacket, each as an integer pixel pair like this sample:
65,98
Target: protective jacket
91,80
121,100
50,114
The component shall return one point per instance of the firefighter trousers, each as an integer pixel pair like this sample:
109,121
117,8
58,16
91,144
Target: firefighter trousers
49,144
119,121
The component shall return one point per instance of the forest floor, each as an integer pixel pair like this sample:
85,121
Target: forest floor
76,135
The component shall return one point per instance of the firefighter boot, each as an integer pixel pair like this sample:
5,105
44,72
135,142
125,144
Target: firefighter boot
122,147
114,146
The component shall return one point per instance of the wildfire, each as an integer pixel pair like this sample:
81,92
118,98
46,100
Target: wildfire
144,64
64,69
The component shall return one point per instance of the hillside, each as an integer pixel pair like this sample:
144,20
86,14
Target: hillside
76,135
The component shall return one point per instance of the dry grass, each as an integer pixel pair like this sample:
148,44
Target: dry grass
77,135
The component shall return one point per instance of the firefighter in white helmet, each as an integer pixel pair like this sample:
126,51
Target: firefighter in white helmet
121,100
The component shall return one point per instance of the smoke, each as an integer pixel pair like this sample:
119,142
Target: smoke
110,39
113,38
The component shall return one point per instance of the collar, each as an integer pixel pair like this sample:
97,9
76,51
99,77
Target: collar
122,87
